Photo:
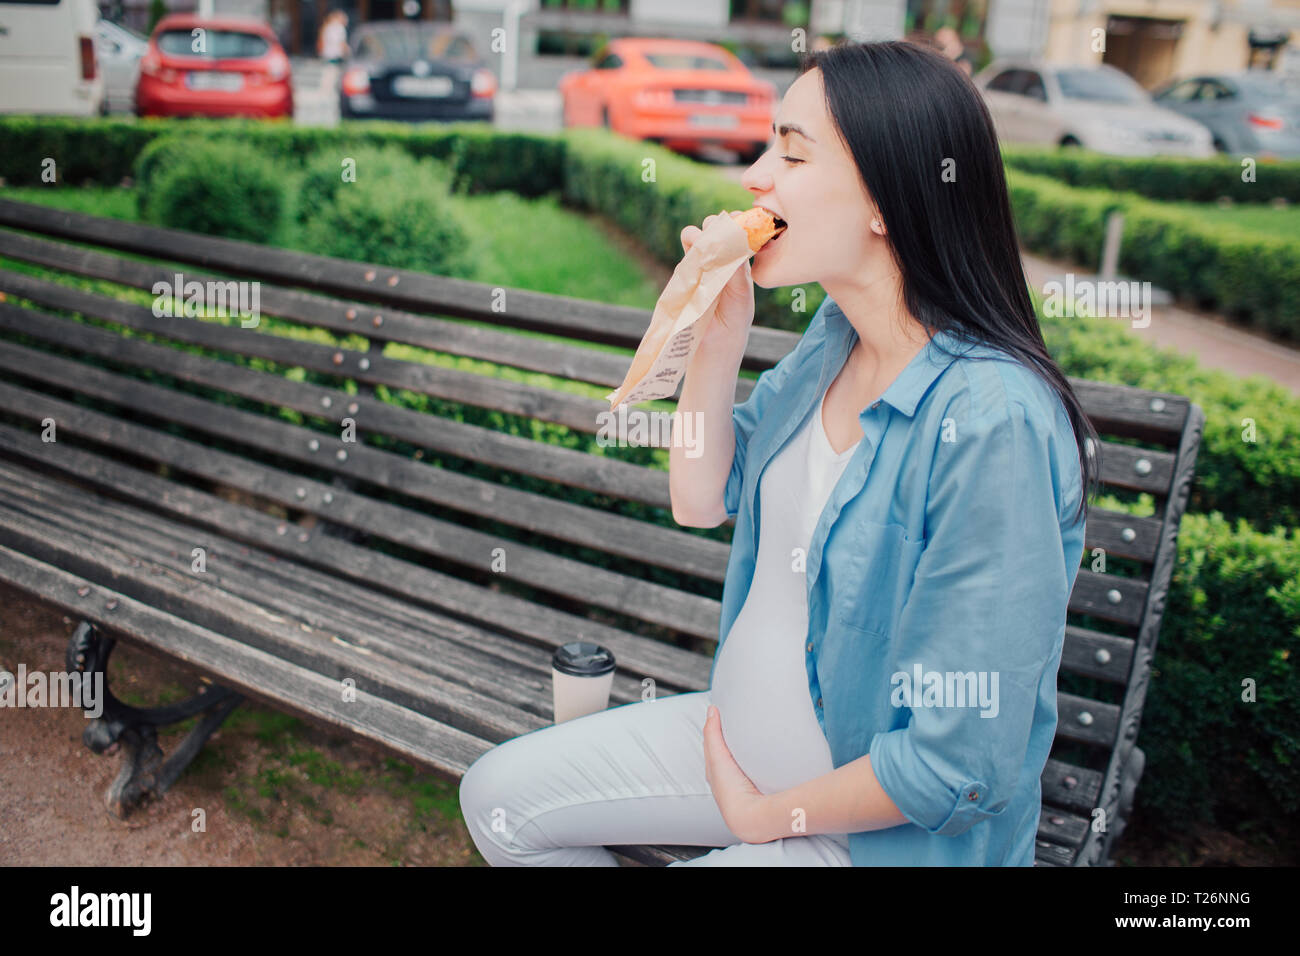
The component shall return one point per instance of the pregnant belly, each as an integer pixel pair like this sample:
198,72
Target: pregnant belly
760,688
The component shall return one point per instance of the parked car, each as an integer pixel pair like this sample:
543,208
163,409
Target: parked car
684,94
119,52
47,58
1096,107
233,67
1255,112
414,70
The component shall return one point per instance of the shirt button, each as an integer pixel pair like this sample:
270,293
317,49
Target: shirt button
875,404
819,701
810,647
974,795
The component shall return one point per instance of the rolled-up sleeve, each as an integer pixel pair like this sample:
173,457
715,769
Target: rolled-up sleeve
989,597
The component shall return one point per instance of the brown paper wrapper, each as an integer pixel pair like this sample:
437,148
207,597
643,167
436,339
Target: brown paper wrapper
684,310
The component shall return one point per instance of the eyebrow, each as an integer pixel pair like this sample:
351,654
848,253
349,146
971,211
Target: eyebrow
787,128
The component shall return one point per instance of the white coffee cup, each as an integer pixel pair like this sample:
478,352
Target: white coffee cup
582,675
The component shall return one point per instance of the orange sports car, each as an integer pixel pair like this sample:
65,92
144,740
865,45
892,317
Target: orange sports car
683,94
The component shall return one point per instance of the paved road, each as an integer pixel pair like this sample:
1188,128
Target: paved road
1207,337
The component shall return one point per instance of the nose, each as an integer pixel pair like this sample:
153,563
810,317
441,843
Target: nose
756,178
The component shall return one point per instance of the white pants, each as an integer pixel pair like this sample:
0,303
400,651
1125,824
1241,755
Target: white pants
632,774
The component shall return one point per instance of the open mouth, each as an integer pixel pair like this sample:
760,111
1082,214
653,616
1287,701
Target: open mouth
781,226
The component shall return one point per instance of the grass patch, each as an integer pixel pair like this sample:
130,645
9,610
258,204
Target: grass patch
1252,217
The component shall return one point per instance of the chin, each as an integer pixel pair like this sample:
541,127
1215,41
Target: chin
775,278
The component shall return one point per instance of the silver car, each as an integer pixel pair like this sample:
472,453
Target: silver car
1254,113
1096,107
118,51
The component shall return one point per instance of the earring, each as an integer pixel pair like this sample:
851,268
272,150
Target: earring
875,224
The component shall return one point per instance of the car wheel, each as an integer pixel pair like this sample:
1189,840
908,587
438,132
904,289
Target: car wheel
750,156
1069,142
1220,146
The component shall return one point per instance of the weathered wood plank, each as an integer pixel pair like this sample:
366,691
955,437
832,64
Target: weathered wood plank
510,671
654,603
191,598
544,626
508,452
1094,654
251,672
615,534
1109,597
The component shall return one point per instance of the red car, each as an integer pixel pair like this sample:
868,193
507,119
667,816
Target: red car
683,94
229,67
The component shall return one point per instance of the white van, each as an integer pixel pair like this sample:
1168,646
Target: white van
47,58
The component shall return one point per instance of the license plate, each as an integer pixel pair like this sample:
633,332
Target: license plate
714,119
215,80
426,86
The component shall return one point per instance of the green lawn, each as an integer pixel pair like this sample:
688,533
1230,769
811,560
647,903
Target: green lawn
1256,217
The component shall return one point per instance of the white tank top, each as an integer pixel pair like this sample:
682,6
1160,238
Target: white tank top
760,685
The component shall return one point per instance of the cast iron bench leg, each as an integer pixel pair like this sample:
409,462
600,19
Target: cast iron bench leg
143,772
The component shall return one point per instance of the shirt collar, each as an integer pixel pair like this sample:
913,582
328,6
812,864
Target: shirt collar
907,390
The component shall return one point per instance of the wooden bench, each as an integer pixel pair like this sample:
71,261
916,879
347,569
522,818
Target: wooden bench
324,559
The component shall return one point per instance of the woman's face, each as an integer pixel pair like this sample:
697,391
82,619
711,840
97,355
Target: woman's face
812,183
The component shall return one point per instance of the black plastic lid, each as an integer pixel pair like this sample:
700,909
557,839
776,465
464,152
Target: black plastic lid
582,659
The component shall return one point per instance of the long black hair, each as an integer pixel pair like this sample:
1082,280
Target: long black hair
927,152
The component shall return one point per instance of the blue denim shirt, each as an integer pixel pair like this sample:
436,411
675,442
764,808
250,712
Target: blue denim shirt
944,557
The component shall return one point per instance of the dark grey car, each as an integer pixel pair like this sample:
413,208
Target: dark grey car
1254,113
414,70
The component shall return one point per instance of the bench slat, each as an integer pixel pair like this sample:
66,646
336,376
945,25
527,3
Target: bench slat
251,672
655,603
1109,597
544,626
497,449
1095,654
584,526
513,672
191,598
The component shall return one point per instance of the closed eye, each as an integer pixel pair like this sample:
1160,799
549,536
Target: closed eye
791,159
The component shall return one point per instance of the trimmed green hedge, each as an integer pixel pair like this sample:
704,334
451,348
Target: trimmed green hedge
1257,480
1252,278
1160,177
203,191
105,150
404,221
1233,616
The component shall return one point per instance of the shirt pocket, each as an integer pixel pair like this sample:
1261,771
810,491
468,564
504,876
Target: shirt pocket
878,571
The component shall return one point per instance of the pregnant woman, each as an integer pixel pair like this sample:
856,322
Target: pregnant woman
908,485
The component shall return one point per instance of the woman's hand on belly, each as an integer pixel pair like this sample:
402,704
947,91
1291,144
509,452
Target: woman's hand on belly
745,809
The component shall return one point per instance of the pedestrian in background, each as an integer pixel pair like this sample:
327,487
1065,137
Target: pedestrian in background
332,45
948,40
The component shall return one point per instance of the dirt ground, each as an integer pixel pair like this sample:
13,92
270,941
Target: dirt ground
276,790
